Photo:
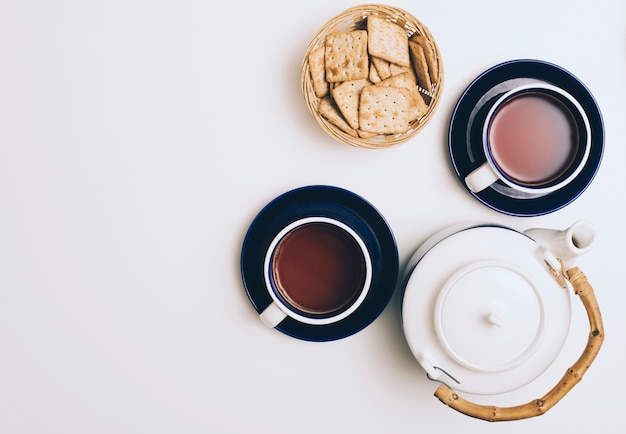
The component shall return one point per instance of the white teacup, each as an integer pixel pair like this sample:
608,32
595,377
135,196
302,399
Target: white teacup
536,139
317,271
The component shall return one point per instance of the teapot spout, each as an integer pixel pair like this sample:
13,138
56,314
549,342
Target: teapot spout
566,244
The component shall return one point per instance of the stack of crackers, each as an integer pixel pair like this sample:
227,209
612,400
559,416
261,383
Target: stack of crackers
375,80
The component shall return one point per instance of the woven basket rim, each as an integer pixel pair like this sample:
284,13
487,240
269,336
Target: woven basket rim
351,19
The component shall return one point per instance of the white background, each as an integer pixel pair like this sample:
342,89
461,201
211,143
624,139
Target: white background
138,140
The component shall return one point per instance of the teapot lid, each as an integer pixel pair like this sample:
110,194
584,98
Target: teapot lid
480,305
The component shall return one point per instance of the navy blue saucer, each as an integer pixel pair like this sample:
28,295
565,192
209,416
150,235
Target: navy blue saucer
342,205
465,135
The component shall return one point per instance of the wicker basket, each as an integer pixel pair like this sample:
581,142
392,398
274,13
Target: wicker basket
352,19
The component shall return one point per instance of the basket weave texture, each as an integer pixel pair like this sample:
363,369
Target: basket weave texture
355,18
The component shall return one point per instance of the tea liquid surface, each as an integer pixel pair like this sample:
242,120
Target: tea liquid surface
533,139
319,268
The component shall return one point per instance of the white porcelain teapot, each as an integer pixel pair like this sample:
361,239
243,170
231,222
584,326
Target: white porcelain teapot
487,309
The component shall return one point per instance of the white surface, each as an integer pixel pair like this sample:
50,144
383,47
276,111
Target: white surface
129,174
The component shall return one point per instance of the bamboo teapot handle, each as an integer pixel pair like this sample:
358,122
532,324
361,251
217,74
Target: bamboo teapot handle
537,407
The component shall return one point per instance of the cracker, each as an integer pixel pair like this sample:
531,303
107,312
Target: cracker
366,135
417,106
328,111
384,110
346,56
397,69
387,40
374,77
318,72
346,96
420,66
382,67
429,53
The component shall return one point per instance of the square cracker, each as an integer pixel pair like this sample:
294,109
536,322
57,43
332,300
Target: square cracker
418,58
397,69
346,96
382,67
384,109
328,111
387,40
417,107
345,56
429,53
318,72
366,135
374,77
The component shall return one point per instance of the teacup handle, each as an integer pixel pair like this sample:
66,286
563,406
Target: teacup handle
272,315
481,178
583,289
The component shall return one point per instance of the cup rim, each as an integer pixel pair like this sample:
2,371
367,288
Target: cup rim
291,312
538,190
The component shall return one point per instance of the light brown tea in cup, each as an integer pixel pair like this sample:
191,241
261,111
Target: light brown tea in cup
319,268
533,139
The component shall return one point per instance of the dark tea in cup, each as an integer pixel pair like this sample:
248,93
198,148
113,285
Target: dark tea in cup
317,270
